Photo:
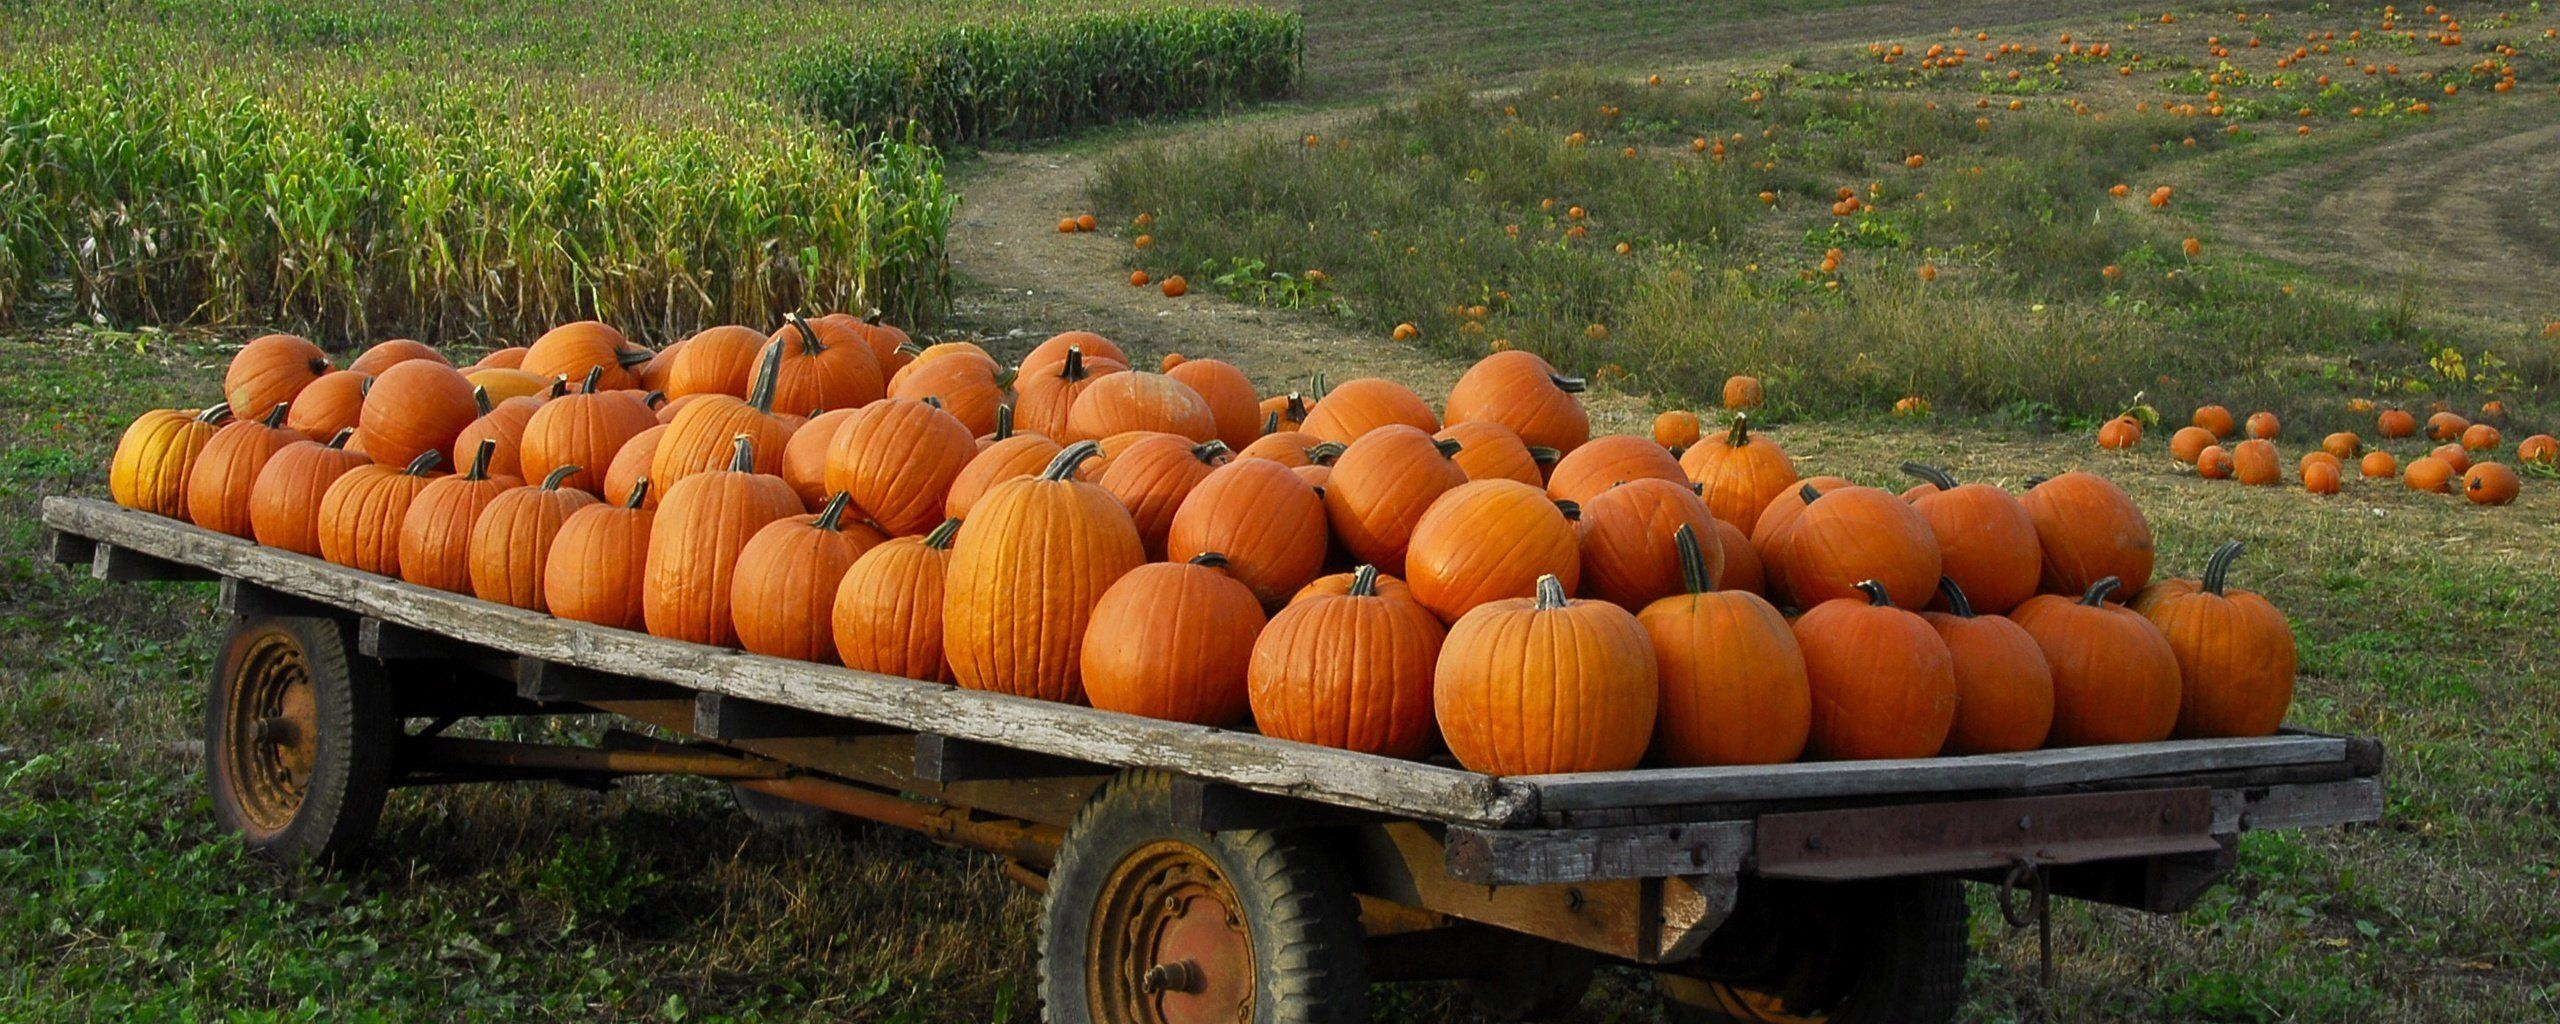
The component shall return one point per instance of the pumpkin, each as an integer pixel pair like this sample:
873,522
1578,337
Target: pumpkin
1453,570
1132,400
1853,534
2216,419
888,608
2379,465
1742,393
1733,687
1490,451
1626,541
1173,640
2089,529
717,361
502,425
157,454
2539,450
218,485
597,569
1341,583
1608,461
416,406
1676,430
2429,474
2214,463
2491,484
2004,688
1742,568
574,350
2343,444
1267,523
631,464
1047,358
326,406
2478,437
890,347
898,459
2188,443
1046,396
667,411
1768,535
1024,578
1152,478
2115,678
2322,477
1351,671
284,501
435,533
2235,654
501,385
2263,426
782,594
1116,445
1380,487
1883,683
1318,477
2120,433
1738,474
1285,412
587,431
1986,541
702,524
2395,424
512,540
362,512
1356,407
1546,684
1289,448
371,362
1008,457
804,457
1520,391
2446,427
1234,407
966,382
271,370
2454,456
700,437
809,377
2254,462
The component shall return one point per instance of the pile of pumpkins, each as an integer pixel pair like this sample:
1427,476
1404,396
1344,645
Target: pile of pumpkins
1344,567
2454,464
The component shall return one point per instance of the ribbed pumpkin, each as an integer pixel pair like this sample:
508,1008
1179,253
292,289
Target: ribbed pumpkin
1351,670
717,361
1628,553
804,457
1317,476
597,570
157,454
1490,451
1268,523
702,524
1733,681
1853,534
809,376
362,511
2115,678
1015,455
435,534
1676,430
1025,574
1606,462
2429,474
508,358
2190,442
1115,446
284,502
218,486
1487,541
1380,488
587,430
1153,477
1742,568
333,403
1286,411
1986,541
1049,356
1768,533
1737,474
1545,684
1135,400
270,371
503,425
1518,390
416,406
2004,688
1339,583
2216,419
2490,483
501,385
2254,462
2235,654
372,361
1045,394
1356,407
1233,404
967,382
631,464
888,609
573,350
1173,640
782,595
699,437
898,459
2089,529
1289,448
511,543
889,345
1883,684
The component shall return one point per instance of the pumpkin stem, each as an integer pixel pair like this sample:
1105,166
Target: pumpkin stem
1364,581
831,517
1297,409
318,365
1449,447
480,397
275,416
639,494
1876,595
595,379
1073,368
633,355
480,459
1323,453
932,401
1808,494
1209,451
909,350
215,413
559,384
2034,482
1931,475
1568,385
1544,456
1004,422
742,454
1693,562
1740,433
768,376
1961,605
1211,559
560,476
940,538
807,338
1064,465
1315,386
1550,592
2217,570
344,435
654,399
2097,593
1271,422
425,462
364,388
1572,510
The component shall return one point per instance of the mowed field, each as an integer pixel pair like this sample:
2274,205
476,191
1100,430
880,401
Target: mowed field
2334,266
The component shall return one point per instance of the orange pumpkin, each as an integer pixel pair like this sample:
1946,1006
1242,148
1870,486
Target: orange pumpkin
1046,395
898,459
804,457
271,371
1883,683
888,607
1490,451
2188,443
716,361
1286,412
586,430
1351,670
2216,419
1733,687
1546,684
2235,655
809,376
2004,688
1380,487
225,470
2379,465
782,594
1131,400
1850,535
1050,355
1738,474
2214,463
2396,424
501,385
1451,568
1152,478
965,381
2120,433
502,424
2343,444
416,406
2454,455
2322,477
1233,405
1628,553
2491,484
2264,426
1341,582
631,464
2115,678
435,533
284,502
1356,407
2478,437
1037,555
1742,393
701,437
511,543
1986,541
1742,568
508,358
2089,529
1676,430
2429,474
1007,457
2446,427
1608,461
702,524
1173,640
1289,448
574,350
2254,463
1267,523
2539,450
362,511
596,570
1517,389
371,362
326,406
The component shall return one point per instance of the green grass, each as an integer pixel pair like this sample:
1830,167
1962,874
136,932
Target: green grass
1361,48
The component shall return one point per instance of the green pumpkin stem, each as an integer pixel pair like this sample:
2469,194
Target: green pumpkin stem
480,398
1364,581
639,494
1550,593
1572,510
807,337
940,538
654,399
742,454
1740,433
275,416
595,379
2217,569
1073,368
1876,595
2097,592
1568,385
909,350
768,376
318,366
1211,559
633,355
1271,422
1449,447
1693,562
344,435
1323,453
1544,456
1209,451
1961,605
931,401
215,413
1064,465
559,384
831,518
480,459
1315,385
364,388
1297,409
1004,421
560,476
1931,475
425,463
1808,493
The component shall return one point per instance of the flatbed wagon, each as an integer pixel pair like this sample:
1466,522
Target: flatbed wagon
1197,874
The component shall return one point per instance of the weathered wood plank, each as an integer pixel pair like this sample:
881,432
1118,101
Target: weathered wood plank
2314,805
2174,757
126,565
1550,856
949,759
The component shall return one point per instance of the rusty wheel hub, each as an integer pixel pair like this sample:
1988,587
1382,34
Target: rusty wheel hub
270,733
1170,943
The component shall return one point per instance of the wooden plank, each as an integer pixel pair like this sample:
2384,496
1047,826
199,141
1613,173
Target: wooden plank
391,641
1237,758
245,599
1550,856
125,565
948,759
2315,805
722,717
2085,764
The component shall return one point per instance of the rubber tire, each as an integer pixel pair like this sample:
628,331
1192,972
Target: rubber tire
1540,980
1906,940
1311,966
351,765
771,813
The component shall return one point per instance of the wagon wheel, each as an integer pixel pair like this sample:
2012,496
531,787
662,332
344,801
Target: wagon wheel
1889,952
298,740
1151,923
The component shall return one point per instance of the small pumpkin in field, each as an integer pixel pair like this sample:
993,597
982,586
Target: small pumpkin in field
2446,427
512,541
361,513
2089,529
2120,433
1733,688
1852,535
2481,437
1883,683
782,595
435,534
596,570
1233,405
899,459
2004,687
2254,462
2264,426
1267,523
225,470
2189,443
1152,478
2378,465
1351,670
1627,535
2323,476
1025,575
284,501
157,454
2217,419
1521,391
2454,456
2539,450
2491,484
1173,640
2214,463
1608,461
1453,570
1986,541
2395,424
702,524
1742,393
2343,444
2429,474
2115,677
333,403
270,371
1379,488
1676,430
1356,407
888,608
2235,654
1546,684
1737,474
